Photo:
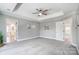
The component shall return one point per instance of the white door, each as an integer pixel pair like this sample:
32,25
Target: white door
59,30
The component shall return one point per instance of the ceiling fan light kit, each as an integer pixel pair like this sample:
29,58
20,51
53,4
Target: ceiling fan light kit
41,12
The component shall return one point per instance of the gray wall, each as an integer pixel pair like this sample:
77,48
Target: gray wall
74,29
51,33
23,31
77,29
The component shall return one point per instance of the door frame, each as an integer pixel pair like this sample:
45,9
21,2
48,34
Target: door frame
62,30
16,28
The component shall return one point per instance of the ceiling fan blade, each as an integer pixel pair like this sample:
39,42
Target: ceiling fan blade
35,13
45,10
39,10
17,6
44,13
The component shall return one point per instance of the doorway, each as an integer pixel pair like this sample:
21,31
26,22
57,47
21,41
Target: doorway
59,31
64,30
68,31
11,30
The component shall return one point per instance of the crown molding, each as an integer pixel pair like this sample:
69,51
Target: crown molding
62,17
17,16
51,17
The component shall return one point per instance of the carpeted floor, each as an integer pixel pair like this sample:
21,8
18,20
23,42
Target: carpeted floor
38,46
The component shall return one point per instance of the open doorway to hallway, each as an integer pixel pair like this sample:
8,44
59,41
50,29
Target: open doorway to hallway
64,30
68,30
11,30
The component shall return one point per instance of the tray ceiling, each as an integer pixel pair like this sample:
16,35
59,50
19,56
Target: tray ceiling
26,9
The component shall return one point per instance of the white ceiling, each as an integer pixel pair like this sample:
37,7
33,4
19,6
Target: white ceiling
26,9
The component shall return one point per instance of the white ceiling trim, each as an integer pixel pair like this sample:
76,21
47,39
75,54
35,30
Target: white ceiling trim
63,17
17,16
56,14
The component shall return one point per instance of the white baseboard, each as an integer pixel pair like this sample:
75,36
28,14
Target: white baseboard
47,37
22,39
74,44
76,48
51,38
27,38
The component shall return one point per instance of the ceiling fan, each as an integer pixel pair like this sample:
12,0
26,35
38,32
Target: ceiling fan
41,11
